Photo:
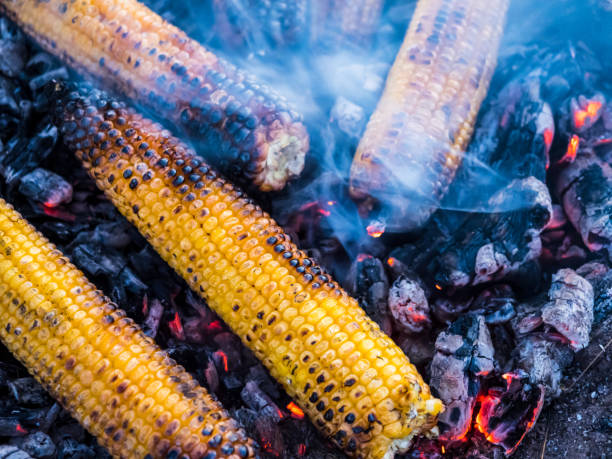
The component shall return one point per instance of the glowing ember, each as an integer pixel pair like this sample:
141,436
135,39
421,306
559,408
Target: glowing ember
487,407
438,287
363,256
215,326
302,449
223,356
20,429
572,150
391,261
588,114
548,138
375,229
507,415
267,447
296,411
176,327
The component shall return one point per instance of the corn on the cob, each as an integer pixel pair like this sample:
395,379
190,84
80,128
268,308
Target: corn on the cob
415,139
355,384
97,362
249,131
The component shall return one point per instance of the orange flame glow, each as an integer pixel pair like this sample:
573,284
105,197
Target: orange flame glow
572,150
548,138
375,229
391,261
176,327
296,411
487,405
591,111
20,429
438,287
223,356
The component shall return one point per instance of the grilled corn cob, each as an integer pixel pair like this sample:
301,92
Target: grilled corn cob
415,139
97,362
356,385
249,131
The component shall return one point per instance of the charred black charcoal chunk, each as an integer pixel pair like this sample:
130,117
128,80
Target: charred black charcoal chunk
46,187
37,444
368,282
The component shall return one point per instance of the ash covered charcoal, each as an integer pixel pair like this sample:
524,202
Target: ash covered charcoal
500,239
464,354
27,391
497,304
544,359
11,427
367,281
153,312
600,277
585,189
570,307
408,304
549,328
259,401
12,49
46,187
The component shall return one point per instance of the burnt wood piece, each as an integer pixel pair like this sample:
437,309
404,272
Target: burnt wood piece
464,354
505,204
368,282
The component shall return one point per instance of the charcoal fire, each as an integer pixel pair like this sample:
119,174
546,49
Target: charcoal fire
502,300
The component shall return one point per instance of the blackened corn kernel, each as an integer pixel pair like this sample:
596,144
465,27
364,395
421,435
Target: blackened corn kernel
231,253
138,402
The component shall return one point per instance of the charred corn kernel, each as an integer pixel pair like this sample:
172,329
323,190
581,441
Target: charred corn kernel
249,131
415,138
296,319
102,368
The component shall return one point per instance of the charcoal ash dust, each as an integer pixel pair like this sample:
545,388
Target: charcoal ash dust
523,265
